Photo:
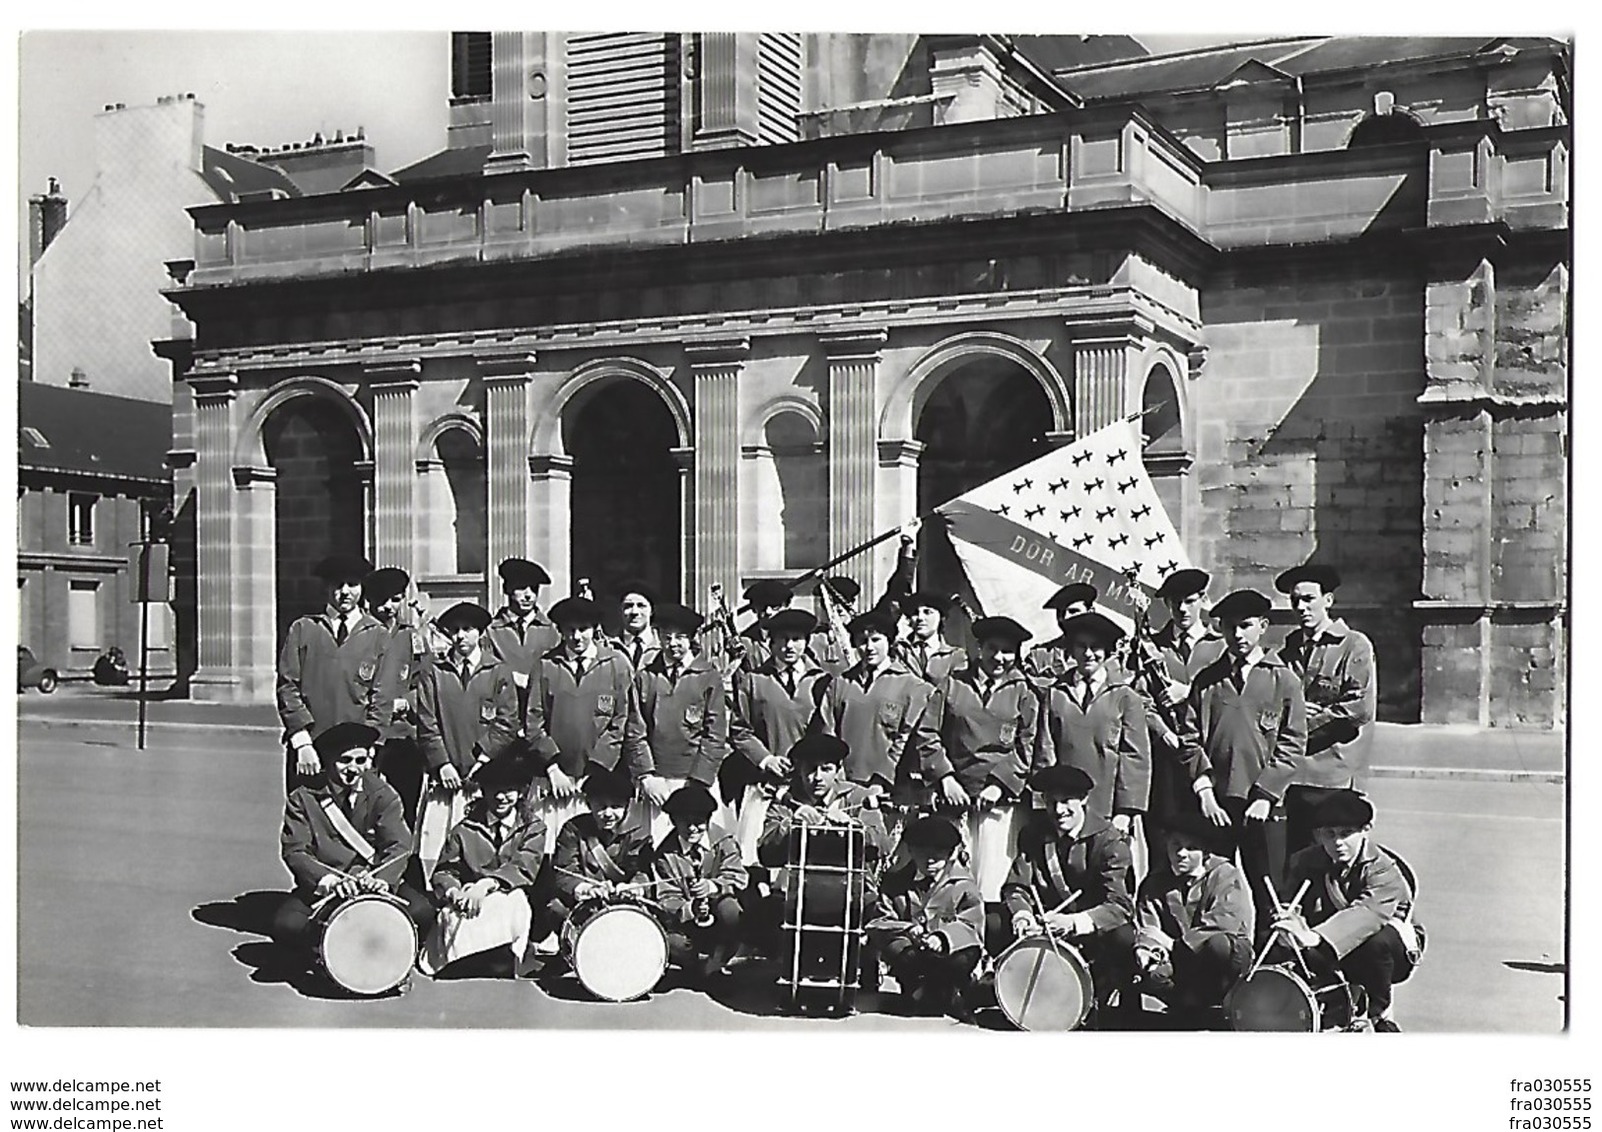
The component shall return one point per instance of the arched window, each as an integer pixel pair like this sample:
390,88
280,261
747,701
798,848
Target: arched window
1385,129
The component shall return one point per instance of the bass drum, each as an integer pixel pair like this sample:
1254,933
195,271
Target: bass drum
1279,1000
1044,984
617,950
366,943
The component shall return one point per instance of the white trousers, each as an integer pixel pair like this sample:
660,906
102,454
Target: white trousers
503,920
437,815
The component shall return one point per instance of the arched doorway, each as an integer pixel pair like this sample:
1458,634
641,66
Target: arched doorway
627,499
454,493
318,499
984,418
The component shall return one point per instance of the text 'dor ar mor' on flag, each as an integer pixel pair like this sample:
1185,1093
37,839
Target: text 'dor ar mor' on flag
1086,512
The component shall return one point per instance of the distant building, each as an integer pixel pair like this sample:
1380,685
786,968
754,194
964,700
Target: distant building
90,473
705,308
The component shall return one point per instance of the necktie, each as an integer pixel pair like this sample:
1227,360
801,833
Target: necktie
635,651
789,683
341,631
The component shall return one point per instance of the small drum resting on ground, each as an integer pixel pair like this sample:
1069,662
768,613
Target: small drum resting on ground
366,943
617,949
822,928
1279,999
1044,984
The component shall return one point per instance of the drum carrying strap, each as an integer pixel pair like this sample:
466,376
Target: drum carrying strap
347,832
602,860
1054,868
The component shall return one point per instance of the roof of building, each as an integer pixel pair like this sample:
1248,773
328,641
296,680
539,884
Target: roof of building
232,177
61,429
465,161
1062,52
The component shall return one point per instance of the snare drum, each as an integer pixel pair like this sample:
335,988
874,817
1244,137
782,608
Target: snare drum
366,943
1279,999
617,949
1044,984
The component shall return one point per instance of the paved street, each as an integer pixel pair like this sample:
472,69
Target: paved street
141,874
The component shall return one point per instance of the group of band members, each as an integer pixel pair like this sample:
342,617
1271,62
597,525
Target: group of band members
1150,801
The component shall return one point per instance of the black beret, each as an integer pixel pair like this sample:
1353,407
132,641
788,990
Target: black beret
932,833
811,750
505,772
693,801
385,583
1097,626
1071,595
927,599
340,568
875,620
604,783
1192,825
1342,808
636,587
1242,604
1000,628
792,623
344,737
464,613
768,592
1325,577
846,589
575,611
1183,583
520,573
1067,781
673,617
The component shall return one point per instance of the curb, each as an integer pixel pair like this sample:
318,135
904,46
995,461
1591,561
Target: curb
1467,774
150,725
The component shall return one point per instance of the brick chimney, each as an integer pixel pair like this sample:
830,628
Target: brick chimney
321,165
137,147
47,212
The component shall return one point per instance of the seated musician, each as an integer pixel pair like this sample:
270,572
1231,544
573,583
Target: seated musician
930,919
1354,914
696,879
484,880
344,834
595,857
1071,876
1194,922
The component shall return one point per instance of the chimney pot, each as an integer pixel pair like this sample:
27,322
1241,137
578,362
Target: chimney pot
79,379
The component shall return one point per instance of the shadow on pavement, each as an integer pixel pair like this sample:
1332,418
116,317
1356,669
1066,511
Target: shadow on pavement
1538,968
269,965
250,912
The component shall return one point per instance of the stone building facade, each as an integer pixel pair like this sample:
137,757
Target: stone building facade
1334,273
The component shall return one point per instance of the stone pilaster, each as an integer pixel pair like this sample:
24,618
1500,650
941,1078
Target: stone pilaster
394,385
255,609
550,516
897,497
435,552
715,368
526,128
689,546
216,397
853,361
725,89
1101,381
506,392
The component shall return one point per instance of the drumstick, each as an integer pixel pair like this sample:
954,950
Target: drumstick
1269,942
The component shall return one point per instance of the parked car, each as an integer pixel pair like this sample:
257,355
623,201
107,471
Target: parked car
32,674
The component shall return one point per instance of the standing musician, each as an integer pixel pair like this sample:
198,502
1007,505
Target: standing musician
343,835
697,880
485,879
765,598
328,668
638,640
583,714
1096,721
398,760
466,715
1245,737
985,714
686,716
1336,666
1355,914
774,704
1186,646
930,921
1051,661
595,856
878,709
1071,876
1194,922
925,650
519,633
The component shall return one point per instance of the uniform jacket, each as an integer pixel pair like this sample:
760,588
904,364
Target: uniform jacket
686,721
1193,911
718,862
641,650
933,664
948,905
592,719
1250,741
1340,687
1170,779
1345,909
582,848
458,721
312,848
773,850
1183,661
397,674
520,644
477,848
989,738
1094,863
884,724
767,720
1107,739
321,683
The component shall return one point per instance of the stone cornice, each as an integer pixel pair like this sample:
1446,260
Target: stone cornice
719,352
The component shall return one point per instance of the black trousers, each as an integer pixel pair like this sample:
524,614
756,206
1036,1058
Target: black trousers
1376,965
690,942
1261,847
400,761
292,922
936,972
1200,977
